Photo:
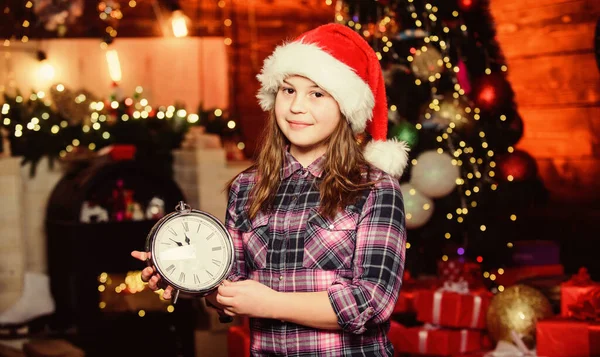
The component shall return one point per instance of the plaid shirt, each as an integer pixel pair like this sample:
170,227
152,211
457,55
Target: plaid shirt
357,257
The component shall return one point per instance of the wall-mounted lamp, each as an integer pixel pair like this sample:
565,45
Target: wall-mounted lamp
46,71
114,66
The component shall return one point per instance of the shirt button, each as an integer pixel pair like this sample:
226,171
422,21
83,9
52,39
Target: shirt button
331,226
281,277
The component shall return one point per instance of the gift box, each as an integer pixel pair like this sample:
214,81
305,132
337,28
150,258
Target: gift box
511,276
561,337
535,252
462,309
409,292
433,341
570,291
455,270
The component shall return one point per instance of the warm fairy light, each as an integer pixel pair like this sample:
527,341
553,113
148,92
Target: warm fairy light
509,244
513,217
407,245
445,258
447,235
500,271
482,228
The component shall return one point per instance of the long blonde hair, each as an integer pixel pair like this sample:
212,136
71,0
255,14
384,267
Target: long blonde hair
345,171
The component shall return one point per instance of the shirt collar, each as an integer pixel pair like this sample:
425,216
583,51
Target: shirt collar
291,165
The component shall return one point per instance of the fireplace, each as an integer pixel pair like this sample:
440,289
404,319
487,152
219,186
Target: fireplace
95,217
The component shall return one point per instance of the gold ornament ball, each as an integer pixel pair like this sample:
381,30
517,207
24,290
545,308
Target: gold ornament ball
517,308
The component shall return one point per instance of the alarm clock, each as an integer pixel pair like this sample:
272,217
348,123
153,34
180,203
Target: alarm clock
191,250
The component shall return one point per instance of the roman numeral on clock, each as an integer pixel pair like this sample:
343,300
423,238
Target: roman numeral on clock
216,262
210,236
185,226
196,279
172,231
216,248
182,277
171,269
207,272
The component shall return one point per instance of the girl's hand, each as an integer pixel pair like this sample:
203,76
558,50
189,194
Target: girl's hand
150,276
248,298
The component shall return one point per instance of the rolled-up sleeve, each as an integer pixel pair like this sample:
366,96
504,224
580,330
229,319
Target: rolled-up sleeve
238,271
378,264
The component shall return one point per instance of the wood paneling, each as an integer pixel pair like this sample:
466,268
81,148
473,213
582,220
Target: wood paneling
548,45
259,26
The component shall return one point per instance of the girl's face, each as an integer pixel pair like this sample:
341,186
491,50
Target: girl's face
307,116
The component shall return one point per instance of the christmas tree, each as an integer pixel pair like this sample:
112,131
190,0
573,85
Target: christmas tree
450,100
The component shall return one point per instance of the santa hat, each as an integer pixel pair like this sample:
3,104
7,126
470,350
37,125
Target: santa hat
342,63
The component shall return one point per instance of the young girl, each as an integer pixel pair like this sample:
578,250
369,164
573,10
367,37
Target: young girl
318,220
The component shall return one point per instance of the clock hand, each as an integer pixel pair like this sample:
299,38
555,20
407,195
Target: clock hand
178,243
187,239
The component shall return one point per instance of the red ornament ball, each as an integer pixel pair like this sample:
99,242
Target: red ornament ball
467,5
516,166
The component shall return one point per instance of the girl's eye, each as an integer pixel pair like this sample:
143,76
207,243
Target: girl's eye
288,90
319,94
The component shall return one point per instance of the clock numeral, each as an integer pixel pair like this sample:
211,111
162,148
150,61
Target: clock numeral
185,226
165,243
171,269
196,279
172,231
199,225
207,272
210,236
216,248
182,277
216,262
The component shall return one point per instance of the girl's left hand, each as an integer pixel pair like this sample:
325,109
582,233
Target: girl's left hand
248,297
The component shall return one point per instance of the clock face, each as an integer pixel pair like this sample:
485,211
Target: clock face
192,252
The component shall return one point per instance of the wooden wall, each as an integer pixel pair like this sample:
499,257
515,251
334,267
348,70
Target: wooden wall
259,26
549,47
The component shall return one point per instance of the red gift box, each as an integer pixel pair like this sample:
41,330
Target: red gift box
511,276
238,341
466,309
409,292
456,270
570,291
567,338
433,341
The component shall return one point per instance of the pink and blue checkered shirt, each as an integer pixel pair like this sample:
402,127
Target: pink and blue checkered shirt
357,257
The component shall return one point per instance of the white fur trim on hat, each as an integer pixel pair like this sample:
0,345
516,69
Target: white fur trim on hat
389,156
308,60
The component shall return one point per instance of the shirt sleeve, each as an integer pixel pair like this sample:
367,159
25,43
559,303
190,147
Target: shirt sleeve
378,265
238,271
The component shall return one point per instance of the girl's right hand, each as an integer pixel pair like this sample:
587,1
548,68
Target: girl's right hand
150,276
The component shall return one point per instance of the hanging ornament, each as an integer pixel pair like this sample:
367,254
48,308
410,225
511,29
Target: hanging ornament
463,77
55,15
517,309
434,174
418,208
405,131
427,62
516,166
73,106
504,131
448,112
492,92
467,5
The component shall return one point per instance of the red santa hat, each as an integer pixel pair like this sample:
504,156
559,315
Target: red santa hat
342,63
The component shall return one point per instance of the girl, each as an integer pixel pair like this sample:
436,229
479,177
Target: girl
318,220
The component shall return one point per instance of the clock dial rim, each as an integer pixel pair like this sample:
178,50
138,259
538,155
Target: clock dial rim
150,247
